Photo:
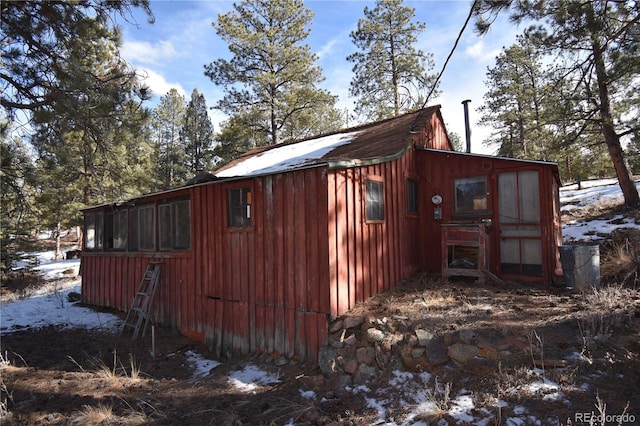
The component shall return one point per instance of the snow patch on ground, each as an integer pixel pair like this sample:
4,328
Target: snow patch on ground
202,365
594,192
595,230
419,393
54,309
250,378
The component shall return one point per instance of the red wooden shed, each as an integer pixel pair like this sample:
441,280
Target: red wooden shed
285,238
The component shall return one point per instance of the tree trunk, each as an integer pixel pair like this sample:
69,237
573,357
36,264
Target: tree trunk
79,239
629,190
394,77
58,253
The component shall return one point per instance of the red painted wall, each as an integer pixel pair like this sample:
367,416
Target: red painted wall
368,257
439,169
310,254
238,289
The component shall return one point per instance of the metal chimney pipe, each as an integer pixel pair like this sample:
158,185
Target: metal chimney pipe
467,128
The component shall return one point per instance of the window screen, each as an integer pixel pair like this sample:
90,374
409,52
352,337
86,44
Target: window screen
182,225
174,225
93,224
146,228
412,196
239,207
375,200
116,230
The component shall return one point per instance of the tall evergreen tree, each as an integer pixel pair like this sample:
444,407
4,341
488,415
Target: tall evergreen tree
17,176
168,119
596,43
78,136
391,76
37,37
514,102
238,135
271,72
197,135
16,179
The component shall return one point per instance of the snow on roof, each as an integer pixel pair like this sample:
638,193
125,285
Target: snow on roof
289,156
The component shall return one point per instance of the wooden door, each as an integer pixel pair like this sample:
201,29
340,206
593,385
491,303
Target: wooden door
519,223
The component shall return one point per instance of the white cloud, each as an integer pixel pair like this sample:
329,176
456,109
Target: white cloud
476,50
326,49
479,50
148,53
157,82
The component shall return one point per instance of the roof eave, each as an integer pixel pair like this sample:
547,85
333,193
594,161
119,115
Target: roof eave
345,164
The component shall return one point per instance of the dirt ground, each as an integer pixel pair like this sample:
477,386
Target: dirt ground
588,344
54,376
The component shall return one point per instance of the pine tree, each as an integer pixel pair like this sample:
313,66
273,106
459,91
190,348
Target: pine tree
238,135
38,37
197,135
168,119
16,179
390,74
271,72
595,44
79,136
513,103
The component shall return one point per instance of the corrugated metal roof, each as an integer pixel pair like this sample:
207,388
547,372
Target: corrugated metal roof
361,144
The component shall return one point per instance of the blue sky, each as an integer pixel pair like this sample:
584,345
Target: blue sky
172,52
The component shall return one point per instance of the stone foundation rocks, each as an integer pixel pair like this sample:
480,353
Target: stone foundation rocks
362,347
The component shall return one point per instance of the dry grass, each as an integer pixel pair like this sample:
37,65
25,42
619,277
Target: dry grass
227,417
99,415
103,414
507,382
595,211
439,403
284,409
117,370
609,308
621,260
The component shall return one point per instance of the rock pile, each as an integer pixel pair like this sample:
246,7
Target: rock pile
360,347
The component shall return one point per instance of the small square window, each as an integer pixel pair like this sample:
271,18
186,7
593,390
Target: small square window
375,200
471,195
239,207
412,196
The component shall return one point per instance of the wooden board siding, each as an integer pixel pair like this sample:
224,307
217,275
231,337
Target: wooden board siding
262,288
266,286
439,169
365,257
434,134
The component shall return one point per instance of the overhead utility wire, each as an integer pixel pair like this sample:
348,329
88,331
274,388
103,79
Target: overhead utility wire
455,45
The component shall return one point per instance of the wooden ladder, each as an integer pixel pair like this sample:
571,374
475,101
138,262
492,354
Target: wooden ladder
142,301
